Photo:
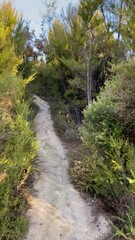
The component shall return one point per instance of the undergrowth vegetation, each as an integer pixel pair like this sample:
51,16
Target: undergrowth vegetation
17,141
107,167
18,149
63,121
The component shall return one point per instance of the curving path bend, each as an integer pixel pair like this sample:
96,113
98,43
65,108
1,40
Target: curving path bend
57,210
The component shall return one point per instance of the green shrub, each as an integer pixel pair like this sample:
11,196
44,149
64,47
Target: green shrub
107,132
15,163
17,142
63,121
100,123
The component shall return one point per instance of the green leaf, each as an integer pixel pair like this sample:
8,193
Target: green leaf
130,180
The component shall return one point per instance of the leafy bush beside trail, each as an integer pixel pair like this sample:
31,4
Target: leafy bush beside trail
108,134
63,121
17,141
18,149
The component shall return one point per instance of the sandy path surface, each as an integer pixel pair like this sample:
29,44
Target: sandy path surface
57,211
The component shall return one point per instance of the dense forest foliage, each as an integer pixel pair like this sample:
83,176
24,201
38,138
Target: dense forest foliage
84,64
17,142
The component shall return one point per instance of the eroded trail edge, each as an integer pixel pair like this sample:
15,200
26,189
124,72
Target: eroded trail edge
57,210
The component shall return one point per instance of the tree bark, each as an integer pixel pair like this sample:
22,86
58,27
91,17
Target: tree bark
89,74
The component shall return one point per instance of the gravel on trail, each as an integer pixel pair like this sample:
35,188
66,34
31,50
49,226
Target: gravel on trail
57,210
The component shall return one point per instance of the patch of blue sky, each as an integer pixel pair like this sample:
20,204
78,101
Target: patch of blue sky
32,9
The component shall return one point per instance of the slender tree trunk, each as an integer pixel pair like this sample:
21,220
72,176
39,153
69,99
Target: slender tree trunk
88,79
120,19
89,74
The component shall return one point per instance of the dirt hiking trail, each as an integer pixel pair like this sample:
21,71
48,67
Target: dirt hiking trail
57,210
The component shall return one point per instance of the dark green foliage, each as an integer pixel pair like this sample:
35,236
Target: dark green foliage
46,81
109,168
63,121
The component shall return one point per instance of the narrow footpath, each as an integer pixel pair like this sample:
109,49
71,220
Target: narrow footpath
57,211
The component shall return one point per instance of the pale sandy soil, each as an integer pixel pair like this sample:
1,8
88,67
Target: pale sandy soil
57,211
